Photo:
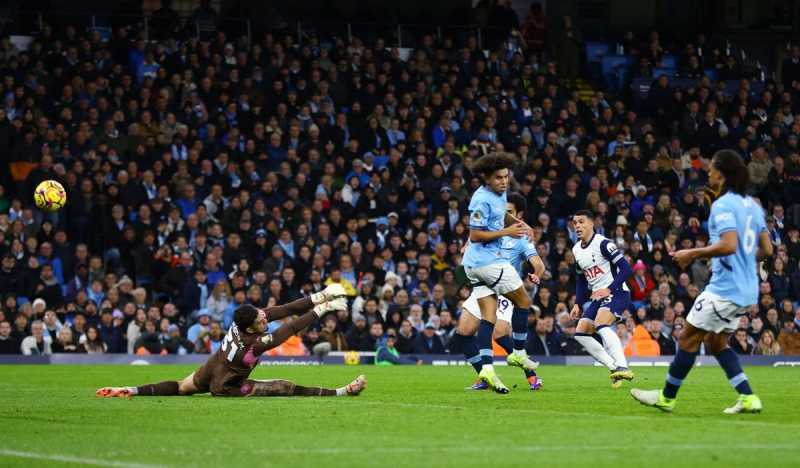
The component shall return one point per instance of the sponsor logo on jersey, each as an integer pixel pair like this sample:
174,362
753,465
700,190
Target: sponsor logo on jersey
593,272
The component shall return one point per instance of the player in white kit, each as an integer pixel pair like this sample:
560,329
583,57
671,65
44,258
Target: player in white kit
601,295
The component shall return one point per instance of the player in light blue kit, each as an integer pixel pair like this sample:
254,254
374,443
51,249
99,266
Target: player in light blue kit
489,271
737,229
518,251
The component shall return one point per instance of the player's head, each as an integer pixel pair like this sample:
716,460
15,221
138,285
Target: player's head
583,221
248,316
728,173
516,205
494,169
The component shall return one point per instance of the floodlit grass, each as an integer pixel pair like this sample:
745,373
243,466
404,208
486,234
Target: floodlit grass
409,416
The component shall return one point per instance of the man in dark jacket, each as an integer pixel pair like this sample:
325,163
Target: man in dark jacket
407,338
9,276
544,341
428,342
358,338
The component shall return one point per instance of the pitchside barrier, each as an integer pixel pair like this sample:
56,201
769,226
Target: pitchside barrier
355,357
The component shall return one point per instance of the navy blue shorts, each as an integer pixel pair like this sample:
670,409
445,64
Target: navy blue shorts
617,302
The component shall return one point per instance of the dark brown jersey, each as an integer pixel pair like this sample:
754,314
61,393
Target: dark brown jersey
227,369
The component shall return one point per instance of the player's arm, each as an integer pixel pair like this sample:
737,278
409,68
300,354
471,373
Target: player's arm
535,262
285,310
479,226
723,217
581,294
727,244
624,270
271,340
765,249
512,220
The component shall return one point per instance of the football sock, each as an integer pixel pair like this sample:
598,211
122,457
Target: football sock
678,370
736,376
506,343
612,345
469,345
485,331
596,350
168,388
299,390
519,329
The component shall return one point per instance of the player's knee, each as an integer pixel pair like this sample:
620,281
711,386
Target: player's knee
521,299
466,325
585,326
501,328
715,344
246,389
690,342
187,386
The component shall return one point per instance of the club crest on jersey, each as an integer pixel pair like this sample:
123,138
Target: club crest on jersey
593,272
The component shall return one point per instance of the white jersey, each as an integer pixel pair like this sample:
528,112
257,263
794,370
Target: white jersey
597,262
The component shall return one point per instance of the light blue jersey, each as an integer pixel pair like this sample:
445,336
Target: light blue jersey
518,251
487,212
734,277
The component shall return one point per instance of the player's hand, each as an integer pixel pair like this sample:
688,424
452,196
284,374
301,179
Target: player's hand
683,257
600,293
575,313
517,230
533,278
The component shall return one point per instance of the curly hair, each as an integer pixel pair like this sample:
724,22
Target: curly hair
492,162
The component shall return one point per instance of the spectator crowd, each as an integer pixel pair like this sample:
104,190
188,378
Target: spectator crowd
206,174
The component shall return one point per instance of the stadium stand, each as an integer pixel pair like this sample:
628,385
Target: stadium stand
207,173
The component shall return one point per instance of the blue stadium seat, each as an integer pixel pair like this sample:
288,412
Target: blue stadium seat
668,61
595,51
711,73
670,72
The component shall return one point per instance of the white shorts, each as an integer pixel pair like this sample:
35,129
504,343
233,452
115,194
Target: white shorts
715,314
504,307
497,278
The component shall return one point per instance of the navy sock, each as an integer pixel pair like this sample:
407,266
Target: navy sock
678,370
485,331
729,361
519,327
505,343
470,347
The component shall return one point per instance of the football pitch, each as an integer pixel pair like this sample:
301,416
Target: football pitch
408,416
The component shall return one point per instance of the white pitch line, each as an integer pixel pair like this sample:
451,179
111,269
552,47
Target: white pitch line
521,449
74,459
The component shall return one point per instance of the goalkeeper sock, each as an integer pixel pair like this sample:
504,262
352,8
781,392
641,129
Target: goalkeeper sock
168,388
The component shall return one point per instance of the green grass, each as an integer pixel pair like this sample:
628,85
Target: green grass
409,416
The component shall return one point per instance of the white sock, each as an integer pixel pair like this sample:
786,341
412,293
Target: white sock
596,350
613,346
341,391
521,352
489,367
133,390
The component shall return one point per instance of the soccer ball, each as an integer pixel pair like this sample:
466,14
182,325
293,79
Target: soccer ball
50,196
